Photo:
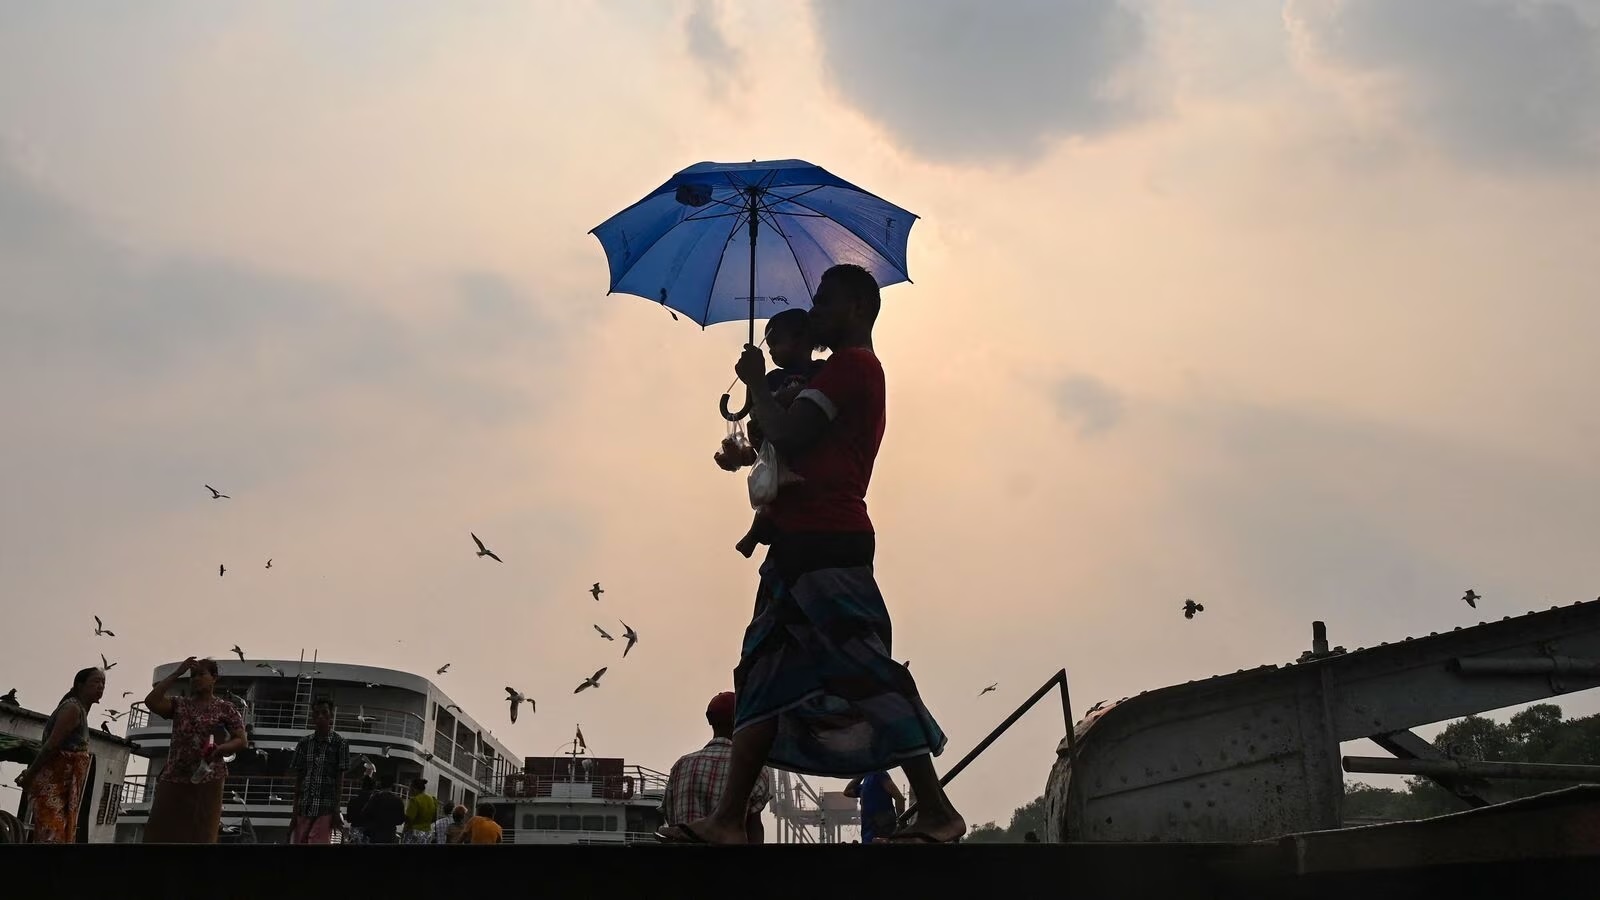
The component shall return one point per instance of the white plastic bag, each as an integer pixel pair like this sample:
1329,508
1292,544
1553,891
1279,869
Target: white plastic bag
768,476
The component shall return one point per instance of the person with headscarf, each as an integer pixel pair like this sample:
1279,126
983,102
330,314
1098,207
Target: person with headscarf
188,804
54,781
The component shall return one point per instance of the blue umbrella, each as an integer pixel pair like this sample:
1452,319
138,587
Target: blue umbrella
798,219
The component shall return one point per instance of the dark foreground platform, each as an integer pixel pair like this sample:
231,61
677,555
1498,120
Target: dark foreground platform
1006,871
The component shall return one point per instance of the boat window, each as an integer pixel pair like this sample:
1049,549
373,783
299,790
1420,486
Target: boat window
545,823
611,823
594,823
569,823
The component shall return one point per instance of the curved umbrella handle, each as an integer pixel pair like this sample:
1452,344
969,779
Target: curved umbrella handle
737,415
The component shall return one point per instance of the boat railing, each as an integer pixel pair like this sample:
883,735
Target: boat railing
636,781
246,790
1059,679
285,715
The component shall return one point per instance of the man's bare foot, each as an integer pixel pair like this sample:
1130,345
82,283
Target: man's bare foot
930,829
746,545
702,831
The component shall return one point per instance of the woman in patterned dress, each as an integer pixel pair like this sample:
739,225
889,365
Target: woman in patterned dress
188,804
54,781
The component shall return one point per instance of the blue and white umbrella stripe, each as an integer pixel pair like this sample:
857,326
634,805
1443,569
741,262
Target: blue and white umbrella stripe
686,244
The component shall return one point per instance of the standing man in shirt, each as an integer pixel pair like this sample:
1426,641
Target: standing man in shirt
697,780
422,809
320,760
881,804
818,692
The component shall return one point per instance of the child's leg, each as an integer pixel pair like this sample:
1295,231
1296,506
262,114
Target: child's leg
747,544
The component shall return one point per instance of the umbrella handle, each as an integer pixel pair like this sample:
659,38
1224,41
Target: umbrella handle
737,415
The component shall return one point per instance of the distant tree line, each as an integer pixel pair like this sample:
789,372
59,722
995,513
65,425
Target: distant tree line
1537,734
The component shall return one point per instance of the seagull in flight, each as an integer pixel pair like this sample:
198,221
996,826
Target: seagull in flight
222,569
988,689
517,698
631,636
597,590
104,665
237,652
442,669
127,694
363,718
216,494
269,562
603,633
1472,597
114,714
593,681
485,551
1190,608
271,668
100,628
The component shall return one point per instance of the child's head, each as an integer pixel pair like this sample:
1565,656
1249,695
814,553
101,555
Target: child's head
789,338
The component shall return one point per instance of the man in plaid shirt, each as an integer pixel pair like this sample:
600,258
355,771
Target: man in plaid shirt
320,761
696,782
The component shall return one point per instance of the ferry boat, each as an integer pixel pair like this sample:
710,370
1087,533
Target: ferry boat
405,726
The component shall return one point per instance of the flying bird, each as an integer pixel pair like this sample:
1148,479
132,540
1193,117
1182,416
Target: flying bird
597,590
269,562
362,716
485,551
222,569
593,681
1472,597
100,629
442,669
216,494
106,666
271,668
312,674
127,694
114,714
1190,608
603,633
631,636
988,689
517,698
237,652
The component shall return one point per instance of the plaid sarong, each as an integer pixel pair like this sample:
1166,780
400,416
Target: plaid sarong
817,657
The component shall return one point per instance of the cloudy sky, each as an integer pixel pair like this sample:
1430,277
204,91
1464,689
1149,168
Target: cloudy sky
1283,306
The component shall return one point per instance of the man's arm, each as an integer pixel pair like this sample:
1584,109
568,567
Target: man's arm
791,430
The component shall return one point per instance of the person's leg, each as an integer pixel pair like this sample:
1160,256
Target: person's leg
726,824
937,819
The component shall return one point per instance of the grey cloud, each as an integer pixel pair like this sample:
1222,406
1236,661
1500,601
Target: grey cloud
1372,519
957,81
1502,83
1094,406
709,45
128,368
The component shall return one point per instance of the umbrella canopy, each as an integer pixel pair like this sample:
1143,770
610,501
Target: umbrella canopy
697,243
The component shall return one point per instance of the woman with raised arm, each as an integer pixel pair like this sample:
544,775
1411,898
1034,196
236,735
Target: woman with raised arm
54,781
188,802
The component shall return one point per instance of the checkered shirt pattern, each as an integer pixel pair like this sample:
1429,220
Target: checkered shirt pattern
697,780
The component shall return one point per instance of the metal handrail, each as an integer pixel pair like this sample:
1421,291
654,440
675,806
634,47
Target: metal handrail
1060,678
254,790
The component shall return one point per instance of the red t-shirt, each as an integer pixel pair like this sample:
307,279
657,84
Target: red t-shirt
838,468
